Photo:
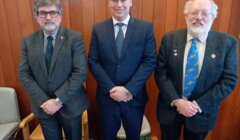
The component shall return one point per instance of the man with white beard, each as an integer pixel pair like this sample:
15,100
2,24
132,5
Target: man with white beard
197,68
52,70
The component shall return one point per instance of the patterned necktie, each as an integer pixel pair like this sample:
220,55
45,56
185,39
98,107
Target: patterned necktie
191,70
119,39
49,50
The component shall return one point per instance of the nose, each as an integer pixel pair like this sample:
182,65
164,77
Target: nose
48,16
199,15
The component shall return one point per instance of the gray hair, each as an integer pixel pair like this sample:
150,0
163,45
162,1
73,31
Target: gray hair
39,3
214,7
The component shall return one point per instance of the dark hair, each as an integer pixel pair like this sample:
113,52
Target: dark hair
39,3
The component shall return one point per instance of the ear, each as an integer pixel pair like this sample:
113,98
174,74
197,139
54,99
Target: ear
185,16
36,17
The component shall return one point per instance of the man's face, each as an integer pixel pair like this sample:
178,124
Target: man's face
49,18
120,8
199,17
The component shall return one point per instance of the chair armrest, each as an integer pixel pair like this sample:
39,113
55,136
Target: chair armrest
26,120
25,127
85,125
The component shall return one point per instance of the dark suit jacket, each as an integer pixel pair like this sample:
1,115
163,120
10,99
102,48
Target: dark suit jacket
66,75
218,77
137,61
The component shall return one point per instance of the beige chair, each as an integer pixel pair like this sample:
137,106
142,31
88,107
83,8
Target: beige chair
37,132
146,129
9,113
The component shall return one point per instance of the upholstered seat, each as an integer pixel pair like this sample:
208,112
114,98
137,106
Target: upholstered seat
9,118
146,129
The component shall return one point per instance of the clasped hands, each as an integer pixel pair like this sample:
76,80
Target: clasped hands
186,108
120,94
50,106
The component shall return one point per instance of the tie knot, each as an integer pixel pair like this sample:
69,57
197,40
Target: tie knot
194,40
50,38
120,24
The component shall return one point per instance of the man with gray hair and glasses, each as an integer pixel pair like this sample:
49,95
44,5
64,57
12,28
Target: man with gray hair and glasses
52,70
197,68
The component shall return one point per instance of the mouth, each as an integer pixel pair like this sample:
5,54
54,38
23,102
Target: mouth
49,23
197,24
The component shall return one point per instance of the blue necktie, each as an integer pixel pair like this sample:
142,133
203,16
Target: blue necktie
191,70
119,39
49,50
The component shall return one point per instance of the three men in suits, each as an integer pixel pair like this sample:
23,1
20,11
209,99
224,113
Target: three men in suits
122,56
188,99
52,70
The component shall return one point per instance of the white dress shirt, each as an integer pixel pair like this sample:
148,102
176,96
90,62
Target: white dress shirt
124,27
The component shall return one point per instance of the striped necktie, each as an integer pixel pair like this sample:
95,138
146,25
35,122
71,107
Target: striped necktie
191,70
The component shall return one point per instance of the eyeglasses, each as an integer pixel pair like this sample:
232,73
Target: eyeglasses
116,1
52,14
204,14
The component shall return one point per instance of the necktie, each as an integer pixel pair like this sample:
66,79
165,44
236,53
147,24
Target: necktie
49,50
119,39
191,70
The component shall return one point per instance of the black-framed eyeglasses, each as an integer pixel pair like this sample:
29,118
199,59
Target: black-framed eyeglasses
52,14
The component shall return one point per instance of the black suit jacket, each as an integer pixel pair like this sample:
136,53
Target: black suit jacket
218,77
132,69
66,75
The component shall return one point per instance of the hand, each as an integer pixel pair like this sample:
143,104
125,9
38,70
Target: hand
186,108
119,94
50,106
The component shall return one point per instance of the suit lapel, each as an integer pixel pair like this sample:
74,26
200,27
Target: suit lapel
39,48
128,36
60,38
111,37
178,53
210,46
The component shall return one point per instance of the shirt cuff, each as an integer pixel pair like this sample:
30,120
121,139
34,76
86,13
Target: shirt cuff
127,92
173,102
198,107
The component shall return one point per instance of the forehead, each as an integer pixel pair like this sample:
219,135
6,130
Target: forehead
48,8
200,5
120,0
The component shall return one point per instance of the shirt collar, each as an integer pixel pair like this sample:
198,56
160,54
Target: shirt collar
201,38
54,34
125,21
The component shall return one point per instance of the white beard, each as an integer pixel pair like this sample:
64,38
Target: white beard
198,31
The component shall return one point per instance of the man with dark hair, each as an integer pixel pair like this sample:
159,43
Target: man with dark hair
52,70
122,56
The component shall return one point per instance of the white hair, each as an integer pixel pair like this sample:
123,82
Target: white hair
214,7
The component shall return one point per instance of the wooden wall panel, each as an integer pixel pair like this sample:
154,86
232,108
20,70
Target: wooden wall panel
16,21
2,83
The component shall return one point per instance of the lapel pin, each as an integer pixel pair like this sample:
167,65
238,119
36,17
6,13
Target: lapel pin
213,56
61,37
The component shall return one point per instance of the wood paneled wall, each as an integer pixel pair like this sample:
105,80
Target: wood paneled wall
16,21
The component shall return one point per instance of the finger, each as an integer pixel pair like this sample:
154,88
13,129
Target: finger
43,105
113,90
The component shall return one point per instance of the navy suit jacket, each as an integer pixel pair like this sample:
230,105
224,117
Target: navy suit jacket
218,77
66,76
132,69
